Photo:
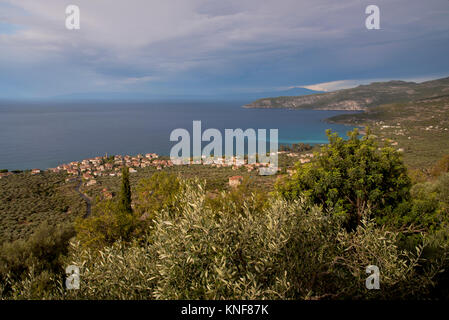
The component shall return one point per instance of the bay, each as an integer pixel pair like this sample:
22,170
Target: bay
44,135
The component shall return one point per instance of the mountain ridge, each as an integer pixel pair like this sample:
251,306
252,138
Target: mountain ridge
359,98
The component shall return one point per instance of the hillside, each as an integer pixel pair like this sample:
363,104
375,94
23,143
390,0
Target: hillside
27,200
362,97
420,128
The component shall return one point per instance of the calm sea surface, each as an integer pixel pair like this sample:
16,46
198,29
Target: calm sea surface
42,135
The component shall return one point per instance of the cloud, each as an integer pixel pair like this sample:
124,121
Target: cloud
333,85
209,44
345,84
134,80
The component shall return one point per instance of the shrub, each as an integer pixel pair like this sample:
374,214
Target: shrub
40,255
107,224
159,192
282,252
417,176
421,212
295,147
238,199
350,178
442,188
441,167
115,220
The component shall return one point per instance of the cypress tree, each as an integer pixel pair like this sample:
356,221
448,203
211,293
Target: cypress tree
125,192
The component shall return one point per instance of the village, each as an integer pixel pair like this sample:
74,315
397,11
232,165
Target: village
91,169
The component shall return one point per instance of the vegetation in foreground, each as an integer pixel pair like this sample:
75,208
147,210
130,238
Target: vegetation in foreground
310,238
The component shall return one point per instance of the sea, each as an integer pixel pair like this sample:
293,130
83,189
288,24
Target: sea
45,134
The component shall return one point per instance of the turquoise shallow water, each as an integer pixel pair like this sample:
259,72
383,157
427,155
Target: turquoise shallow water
43,135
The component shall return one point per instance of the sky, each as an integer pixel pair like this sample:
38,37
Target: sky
216,48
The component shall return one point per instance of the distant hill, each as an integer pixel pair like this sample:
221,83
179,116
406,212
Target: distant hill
259,95
362,97
143,96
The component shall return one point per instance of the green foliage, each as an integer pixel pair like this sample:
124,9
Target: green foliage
109,221
425,205
426,211
441,167
159,192
417,176
109,159
437,250
296,147
28,200
442,188
107,224
238,199
403,272
125,192
350,178
285,251
183,241
40,255
418,127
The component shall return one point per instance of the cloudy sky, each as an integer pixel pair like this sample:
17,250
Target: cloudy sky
209,47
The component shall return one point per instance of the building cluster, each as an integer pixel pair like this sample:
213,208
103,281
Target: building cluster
89,169
9,173
238,164
303,158
400,131
234,162
5,174
435,128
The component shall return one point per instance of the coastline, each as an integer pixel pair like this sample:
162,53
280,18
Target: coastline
44,137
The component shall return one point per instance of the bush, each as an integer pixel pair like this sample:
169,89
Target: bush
281,252
417,176
295,147
115,220
107,224
437,250
351,178
40,255
238,199
441,167
442,188
159,192
420,213
427,209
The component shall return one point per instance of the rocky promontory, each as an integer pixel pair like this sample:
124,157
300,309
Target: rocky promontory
359,98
